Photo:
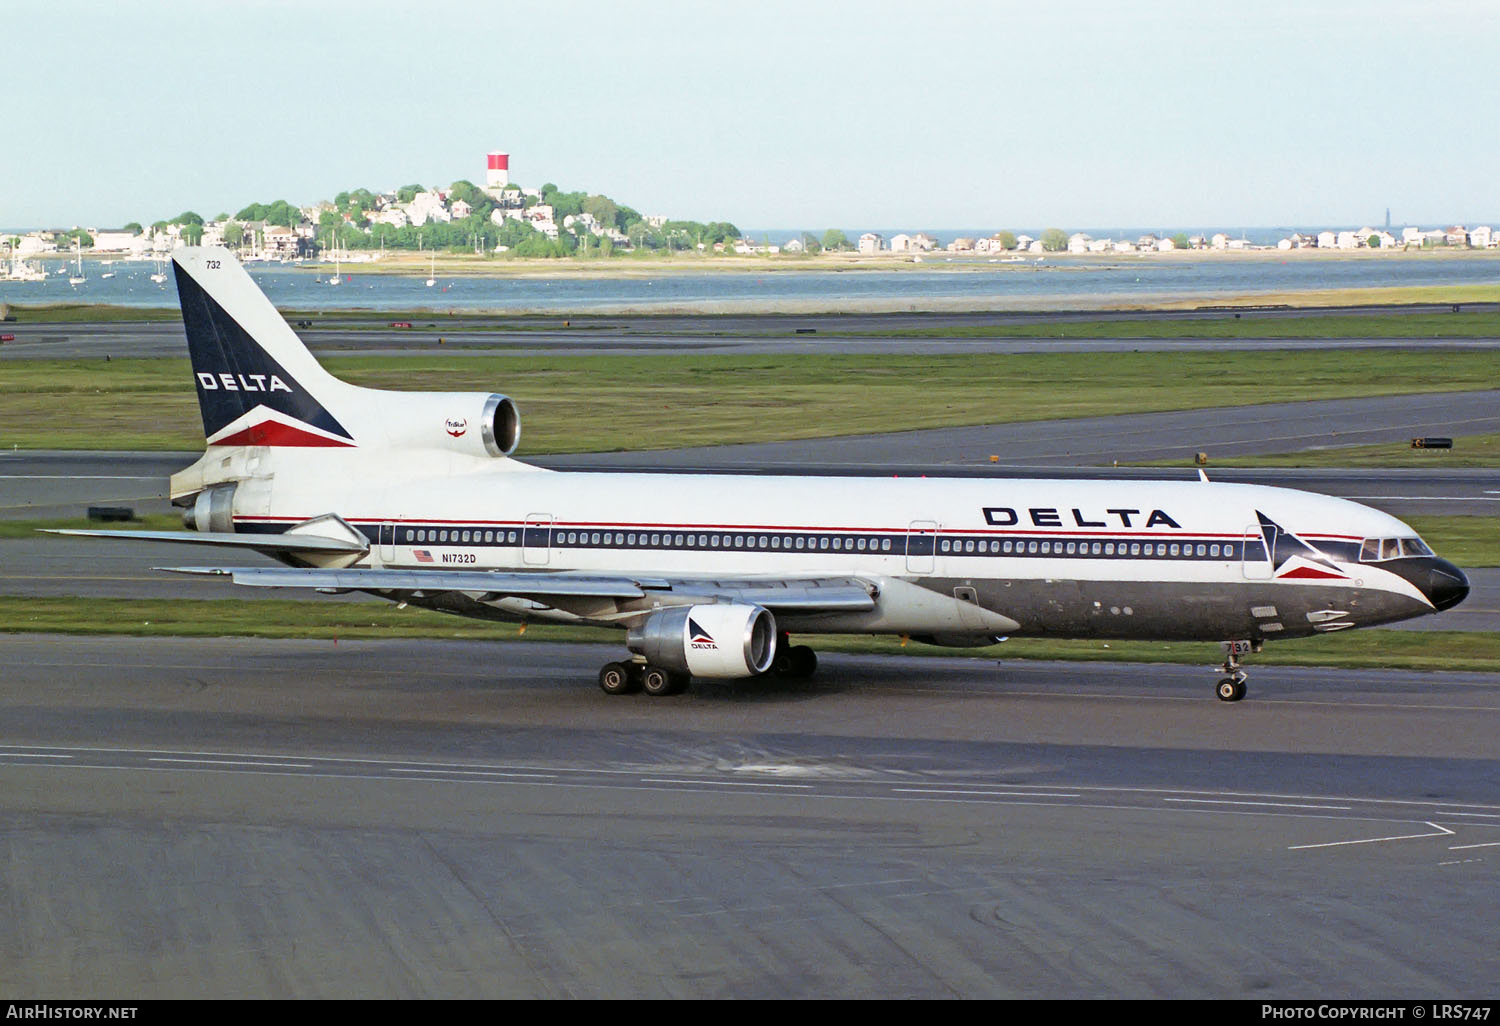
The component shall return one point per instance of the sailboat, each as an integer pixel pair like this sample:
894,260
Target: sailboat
432,271
161,271
337,277
78,279
20,270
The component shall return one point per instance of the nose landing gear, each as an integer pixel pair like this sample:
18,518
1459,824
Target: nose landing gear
1231,687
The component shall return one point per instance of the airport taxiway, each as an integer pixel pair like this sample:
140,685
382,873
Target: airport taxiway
244,818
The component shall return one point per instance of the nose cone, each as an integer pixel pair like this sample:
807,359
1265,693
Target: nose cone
1447,585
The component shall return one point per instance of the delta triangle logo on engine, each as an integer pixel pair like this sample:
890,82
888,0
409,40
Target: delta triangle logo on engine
698,637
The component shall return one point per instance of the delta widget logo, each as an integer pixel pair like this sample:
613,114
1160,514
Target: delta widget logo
698,637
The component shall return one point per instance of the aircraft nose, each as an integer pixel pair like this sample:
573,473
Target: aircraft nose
1447,585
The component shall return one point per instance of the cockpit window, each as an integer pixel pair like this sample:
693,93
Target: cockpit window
1373,550
1414,547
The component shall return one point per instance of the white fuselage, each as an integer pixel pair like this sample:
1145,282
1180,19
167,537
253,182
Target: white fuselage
1171,559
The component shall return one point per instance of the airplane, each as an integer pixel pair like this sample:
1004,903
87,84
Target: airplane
417,497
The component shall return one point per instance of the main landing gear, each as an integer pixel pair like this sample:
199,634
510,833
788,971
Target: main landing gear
795,661
1231,687
627,678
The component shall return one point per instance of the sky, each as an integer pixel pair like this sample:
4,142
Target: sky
810,114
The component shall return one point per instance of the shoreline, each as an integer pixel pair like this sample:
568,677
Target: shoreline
418,264
1375,298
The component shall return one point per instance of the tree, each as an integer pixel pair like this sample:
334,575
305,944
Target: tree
835,240
603,208
407,193
1180,240
1054,240
234,233
1373,242
133,226
810,245
465,190
1007,239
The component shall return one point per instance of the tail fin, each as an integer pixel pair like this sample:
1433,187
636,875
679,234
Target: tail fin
257,383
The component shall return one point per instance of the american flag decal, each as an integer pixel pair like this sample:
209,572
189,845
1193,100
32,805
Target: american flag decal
423,556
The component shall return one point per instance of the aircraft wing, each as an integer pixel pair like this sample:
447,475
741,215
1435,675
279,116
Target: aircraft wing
286,542
803,595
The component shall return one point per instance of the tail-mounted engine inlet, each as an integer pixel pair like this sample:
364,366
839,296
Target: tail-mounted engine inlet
212,510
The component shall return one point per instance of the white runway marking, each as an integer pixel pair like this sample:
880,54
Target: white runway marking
1440,831
1277,805
237,762
481,773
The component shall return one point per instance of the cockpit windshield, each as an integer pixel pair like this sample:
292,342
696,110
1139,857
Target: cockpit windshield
1374,550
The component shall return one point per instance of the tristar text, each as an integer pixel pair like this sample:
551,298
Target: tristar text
1046,516
241,382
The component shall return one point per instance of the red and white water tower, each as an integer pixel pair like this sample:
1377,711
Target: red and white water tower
497,173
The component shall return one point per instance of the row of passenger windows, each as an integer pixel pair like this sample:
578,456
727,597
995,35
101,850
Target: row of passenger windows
832,543
657,540
1167,550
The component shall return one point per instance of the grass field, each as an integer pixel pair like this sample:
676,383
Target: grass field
334,619
605,403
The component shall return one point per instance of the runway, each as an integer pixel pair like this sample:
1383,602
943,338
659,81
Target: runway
246,818
733,334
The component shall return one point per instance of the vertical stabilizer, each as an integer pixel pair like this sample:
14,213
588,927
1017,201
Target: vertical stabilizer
257,383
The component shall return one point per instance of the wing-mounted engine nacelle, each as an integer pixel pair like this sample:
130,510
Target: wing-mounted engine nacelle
472,423
720,640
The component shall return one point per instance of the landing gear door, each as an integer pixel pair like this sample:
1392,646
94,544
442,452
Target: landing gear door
921,547
536,539
1255,557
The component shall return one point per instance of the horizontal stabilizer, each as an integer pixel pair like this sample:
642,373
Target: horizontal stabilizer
258,542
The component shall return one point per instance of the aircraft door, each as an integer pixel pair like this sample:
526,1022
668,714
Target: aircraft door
536,539
921,547
387,543
1255,557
